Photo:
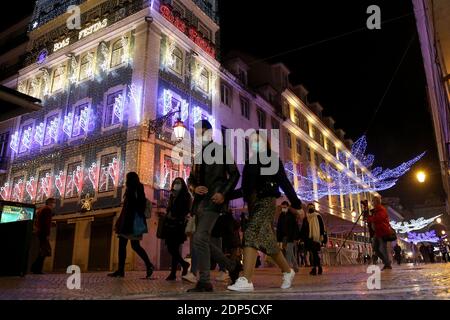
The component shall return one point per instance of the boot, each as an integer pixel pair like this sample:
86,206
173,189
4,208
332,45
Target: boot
202,287
313,272
117,274
149,272
319,272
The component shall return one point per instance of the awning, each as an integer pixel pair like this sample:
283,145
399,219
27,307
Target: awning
14,103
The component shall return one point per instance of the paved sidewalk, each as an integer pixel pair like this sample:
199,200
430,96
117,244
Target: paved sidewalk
346,282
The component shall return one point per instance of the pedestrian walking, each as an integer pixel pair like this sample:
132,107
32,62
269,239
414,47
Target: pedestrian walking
261,182
211,182
175,225
313,234
132,224
398,253
288,232
42,226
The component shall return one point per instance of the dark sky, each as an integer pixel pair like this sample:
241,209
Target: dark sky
348,74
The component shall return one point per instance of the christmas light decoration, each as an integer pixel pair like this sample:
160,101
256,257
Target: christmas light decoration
90,65
46,185
197,79
35,86
22,87
168,60
126,49
412,225
45,81
135,99
18,190
196,114
30,187
60,183
118,107
53,129
422,237
326,180
93,173
77,178
104,51
68,124
113,171
14,144
39,134
85,115
5,191
184,110
26,137
75,69
167,101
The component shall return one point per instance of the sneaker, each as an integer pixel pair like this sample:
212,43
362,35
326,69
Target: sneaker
241,285
223,276
288,277
190,277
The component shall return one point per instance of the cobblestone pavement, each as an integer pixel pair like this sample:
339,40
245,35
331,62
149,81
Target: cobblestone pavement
345,282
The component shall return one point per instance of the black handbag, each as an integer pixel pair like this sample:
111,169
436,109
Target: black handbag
391,237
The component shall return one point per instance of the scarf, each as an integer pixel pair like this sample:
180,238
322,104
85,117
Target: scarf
314,226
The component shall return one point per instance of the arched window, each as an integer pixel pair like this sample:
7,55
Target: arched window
117,53
86,66
177,61
58,78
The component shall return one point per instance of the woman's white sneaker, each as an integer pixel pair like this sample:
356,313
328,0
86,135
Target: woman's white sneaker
241,285
288,277
190,277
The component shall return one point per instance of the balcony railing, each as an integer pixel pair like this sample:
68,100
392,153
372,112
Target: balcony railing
206,8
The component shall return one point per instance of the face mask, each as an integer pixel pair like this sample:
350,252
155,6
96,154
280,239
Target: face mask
177,187
284,210
311,210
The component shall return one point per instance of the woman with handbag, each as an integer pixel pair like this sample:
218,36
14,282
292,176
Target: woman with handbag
132,224
313,234
175,223
263,176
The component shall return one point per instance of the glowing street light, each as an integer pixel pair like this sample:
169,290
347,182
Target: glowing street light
438,220
421,176
443,232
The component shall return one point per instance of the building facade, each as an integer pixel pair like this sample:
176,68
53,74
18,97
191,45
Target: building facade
132,61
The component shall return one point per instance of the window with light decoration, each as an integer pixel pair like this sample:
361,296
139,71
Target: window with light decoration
107,174
79,128
51,130
177,61
171,170
86,66
44,185
25,138
245,108
112,114
117,52
261,119
34,87
204,81
58,78
4,140
18,188
73,180
225,94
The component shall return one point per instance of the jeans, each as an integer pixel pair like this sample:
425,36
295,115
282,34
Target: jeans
218,243
290,255
380,247
204,248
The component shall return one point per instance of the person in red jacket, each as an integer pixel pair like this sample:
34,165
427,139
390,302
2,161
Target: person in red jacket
42,226
380,219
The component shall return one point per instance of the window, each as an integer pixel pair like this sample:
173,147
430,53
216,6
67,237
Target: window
79,120
299,147
113,116
171,170
261,119
320,139
285,109
242,76
317,159
297,117
177,61
74,180
86,66
179,9
288,140
117,53
245,108
58,78
44,185
51,130
225,94
304,123
26,138
275,124
106,181
331,149
308,153
204,81
4,139
312,132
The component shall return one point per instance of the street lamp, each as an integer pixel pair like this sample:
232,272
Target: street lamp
438,220
156,125
421,176
443,232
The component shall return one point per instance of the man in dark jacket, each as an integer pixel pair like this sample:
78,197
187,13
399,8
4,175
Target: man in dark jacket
42,226
288,232
213,177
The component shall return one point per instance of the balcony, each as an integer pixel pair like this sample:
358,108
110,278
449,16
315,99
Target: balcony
206,7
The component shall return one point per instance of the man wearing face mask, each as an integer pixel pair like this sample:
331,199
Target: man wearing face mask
213,177
288,232
313,234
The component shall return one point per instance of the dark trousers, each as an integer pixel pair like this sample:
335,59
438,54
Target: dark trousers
137,248
398,259
38,264
204,248
315,258
177,259
44,251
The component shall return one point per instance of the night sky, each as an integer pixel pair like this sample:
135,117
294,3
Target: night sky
346,67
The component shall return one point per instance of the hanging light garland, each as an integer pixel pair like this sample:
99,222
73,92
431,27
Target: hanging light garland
412,225
422,237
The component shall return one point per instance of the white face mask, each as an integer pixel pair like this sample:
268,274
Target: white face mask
284,210
177,187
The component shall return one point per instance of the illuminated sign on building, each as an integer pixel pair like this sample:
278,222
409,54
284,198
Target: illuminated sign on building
59,45
92,29
190,31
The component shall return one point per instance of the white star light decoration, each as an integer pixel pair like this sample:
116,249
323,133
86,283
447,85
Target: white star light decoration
422,237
